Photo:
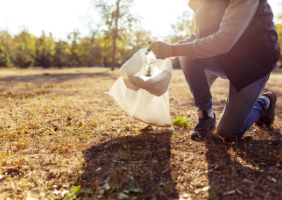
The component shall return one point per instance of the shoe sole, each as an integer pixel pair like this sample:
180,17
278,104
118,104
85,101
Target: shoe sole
260,124
267,125
272,111
211,130
196,135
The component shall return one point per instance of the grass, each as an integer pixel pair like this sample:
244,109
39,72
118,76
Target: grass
62,137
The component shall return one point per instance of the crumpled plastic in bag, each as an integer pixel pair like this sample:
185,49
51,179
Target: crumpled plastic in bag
144,98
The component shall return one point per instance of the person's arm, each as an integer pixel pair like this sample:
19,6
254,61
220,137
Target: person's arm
186,40
165,50
178,47
237,18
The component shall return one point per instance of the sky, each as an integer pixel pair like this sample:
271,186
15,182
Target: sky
64,16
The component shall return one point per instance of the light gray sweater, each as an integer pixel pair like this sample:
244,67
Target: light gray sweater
236,19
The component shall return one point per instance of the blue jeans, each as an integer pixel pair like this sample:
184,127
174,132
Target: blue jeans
242,109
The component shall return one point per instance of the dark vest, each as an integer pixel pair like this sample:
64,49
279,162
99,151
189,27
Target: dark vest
255,53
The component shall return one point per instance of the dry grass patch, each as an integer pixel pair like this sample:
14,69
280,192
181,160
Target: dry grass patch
63,137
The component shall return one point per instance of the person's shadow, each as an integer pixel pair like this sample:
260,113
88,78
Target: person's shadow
138,167
246,169
130,167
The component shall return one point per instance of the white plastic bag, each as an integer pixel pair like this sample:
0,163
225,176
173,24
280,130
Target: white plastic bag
144,98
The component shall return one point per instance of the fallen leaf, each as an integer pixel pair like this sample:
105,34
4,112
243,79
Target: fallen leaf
180,121
161,184
56,192
166,170
64,192
147,129
272,179
215,165
30,198
185,195
247,181
230,192
123,196
188,114
202,189
217,153
239,192
177,153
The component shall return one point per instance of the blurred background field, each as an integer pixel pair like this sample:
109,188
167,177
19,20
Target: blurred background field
92,33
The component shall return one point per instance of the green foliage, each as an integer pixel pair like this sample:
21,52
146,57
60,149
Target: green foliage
22,58
76,192
132,187
44,50
5,59
84,137
279,32
61,54
179,121
138,40
213,194
74,49
119,32
44,57
6,42
147,129
25,42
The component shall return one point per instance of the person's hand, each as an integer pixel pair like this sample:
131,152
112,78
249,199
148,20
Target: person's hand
160,49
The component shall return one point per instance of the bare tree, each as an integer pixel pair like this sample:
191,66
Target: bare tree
117,19
94,28
93,33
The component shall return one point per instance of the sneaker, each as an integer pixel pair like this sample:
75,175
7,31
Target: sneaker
205,126
268,118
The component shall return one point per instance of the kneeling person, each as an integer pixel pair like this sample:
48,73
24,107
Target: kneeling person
234,40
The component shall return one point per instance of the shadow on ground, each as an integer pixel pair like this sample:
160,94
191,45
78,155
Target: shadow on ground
131,167
138,167
247,169
56,78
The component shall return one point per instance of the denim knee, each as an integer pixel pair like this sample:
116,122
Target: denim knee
229,133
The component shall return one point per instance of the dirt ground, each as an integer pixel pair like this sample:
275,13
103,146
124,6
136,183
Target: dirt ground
62,137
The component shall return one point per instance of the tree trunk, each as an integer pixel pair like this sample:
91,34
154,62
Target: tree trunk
90,52
115,37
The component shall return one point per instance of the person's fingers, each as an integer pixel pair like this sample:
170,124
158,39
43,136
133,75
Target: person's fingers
151,41
150,46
